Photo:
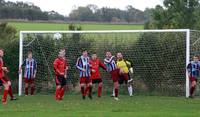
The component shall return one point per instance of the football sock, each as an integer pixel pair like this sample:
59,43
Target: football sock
130,90
26,91
32,90
116,92
82,91
4,99
10,92
99,91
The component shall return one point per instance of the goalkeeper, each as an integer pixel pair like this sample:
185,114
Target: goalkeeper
126,67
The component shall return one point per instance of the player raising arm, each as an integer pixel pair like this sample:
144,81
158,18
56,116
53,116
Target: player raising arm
83,65
114,71
30,69
193,72
95,64
5,84
124,66
60,67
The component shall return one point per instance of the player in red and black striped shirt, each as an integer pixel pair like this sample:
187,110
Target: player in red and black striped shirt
95,64
60,67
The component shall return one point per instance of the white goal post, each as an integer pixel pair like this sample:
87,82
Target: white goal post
187,39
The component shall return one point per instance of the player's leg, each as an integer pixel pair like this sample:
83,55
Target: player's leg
100,85
120,81
1,85
116,89
10,91
5,94
32,82
88,89
82,86
130,89
193,86
63,88
128,84
115,77
58,87
26,80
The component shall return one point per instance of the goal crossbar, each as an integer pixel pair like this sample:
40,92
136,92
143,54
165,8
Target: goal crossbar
106,31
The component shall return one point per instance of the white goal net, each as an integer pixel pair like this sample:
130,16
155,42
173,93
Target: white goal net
159,57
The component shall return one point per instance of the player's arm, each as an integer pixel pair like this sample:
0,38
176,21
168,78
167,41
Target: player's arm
23,64
1,66
102,65
35,66
91,67
78,66
130,64
189,68
66,69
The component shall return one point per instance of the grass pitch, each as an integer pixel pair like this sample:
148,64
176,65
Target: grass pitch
74,106
64,26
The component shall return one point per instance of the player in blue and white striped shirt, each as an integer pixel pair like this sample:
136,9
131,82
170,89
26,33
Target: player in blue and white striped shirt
111,66
193,69
30,69
83,65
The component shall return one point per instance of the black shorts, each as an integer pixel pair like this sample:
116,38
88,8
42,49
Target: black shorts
122,80
1,83
60,80
96,81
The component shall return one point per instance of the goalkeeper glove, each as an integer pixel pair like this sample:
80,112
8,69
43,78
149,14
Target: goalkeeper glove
131,70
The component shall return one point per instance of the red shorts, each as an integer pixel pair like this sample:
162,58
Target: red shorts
193,79
31,80
115,75
85,80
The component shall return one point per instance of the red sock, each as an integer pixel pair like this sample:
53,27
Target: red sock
99,91
62,92
83,91
192,90
58,93
90,90
5,94
26,91
32,90
86,90
116,92
10,92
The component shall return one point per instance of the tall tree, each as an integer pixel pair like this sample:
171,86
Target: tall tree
175,14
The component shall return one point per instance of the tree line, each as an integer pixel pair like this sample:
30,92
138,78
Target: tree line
28,11
105,14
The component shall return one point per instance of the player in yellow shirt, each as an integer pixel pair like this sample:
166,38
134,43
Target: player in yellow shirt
125,68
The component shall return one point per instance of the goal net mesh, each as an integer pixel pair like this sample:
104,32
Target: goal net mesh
158,58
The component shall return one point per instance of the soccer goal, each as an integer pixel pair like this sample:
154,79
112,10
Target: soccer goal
159,57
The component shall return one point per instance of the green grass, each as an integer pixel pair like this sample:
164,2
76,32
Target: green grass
74,106
62,26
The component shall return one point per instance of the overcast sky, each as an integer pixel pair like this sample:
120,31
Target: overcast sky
65,6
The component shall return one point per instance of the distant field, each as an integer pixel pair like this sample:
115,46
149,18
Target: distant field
62,26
